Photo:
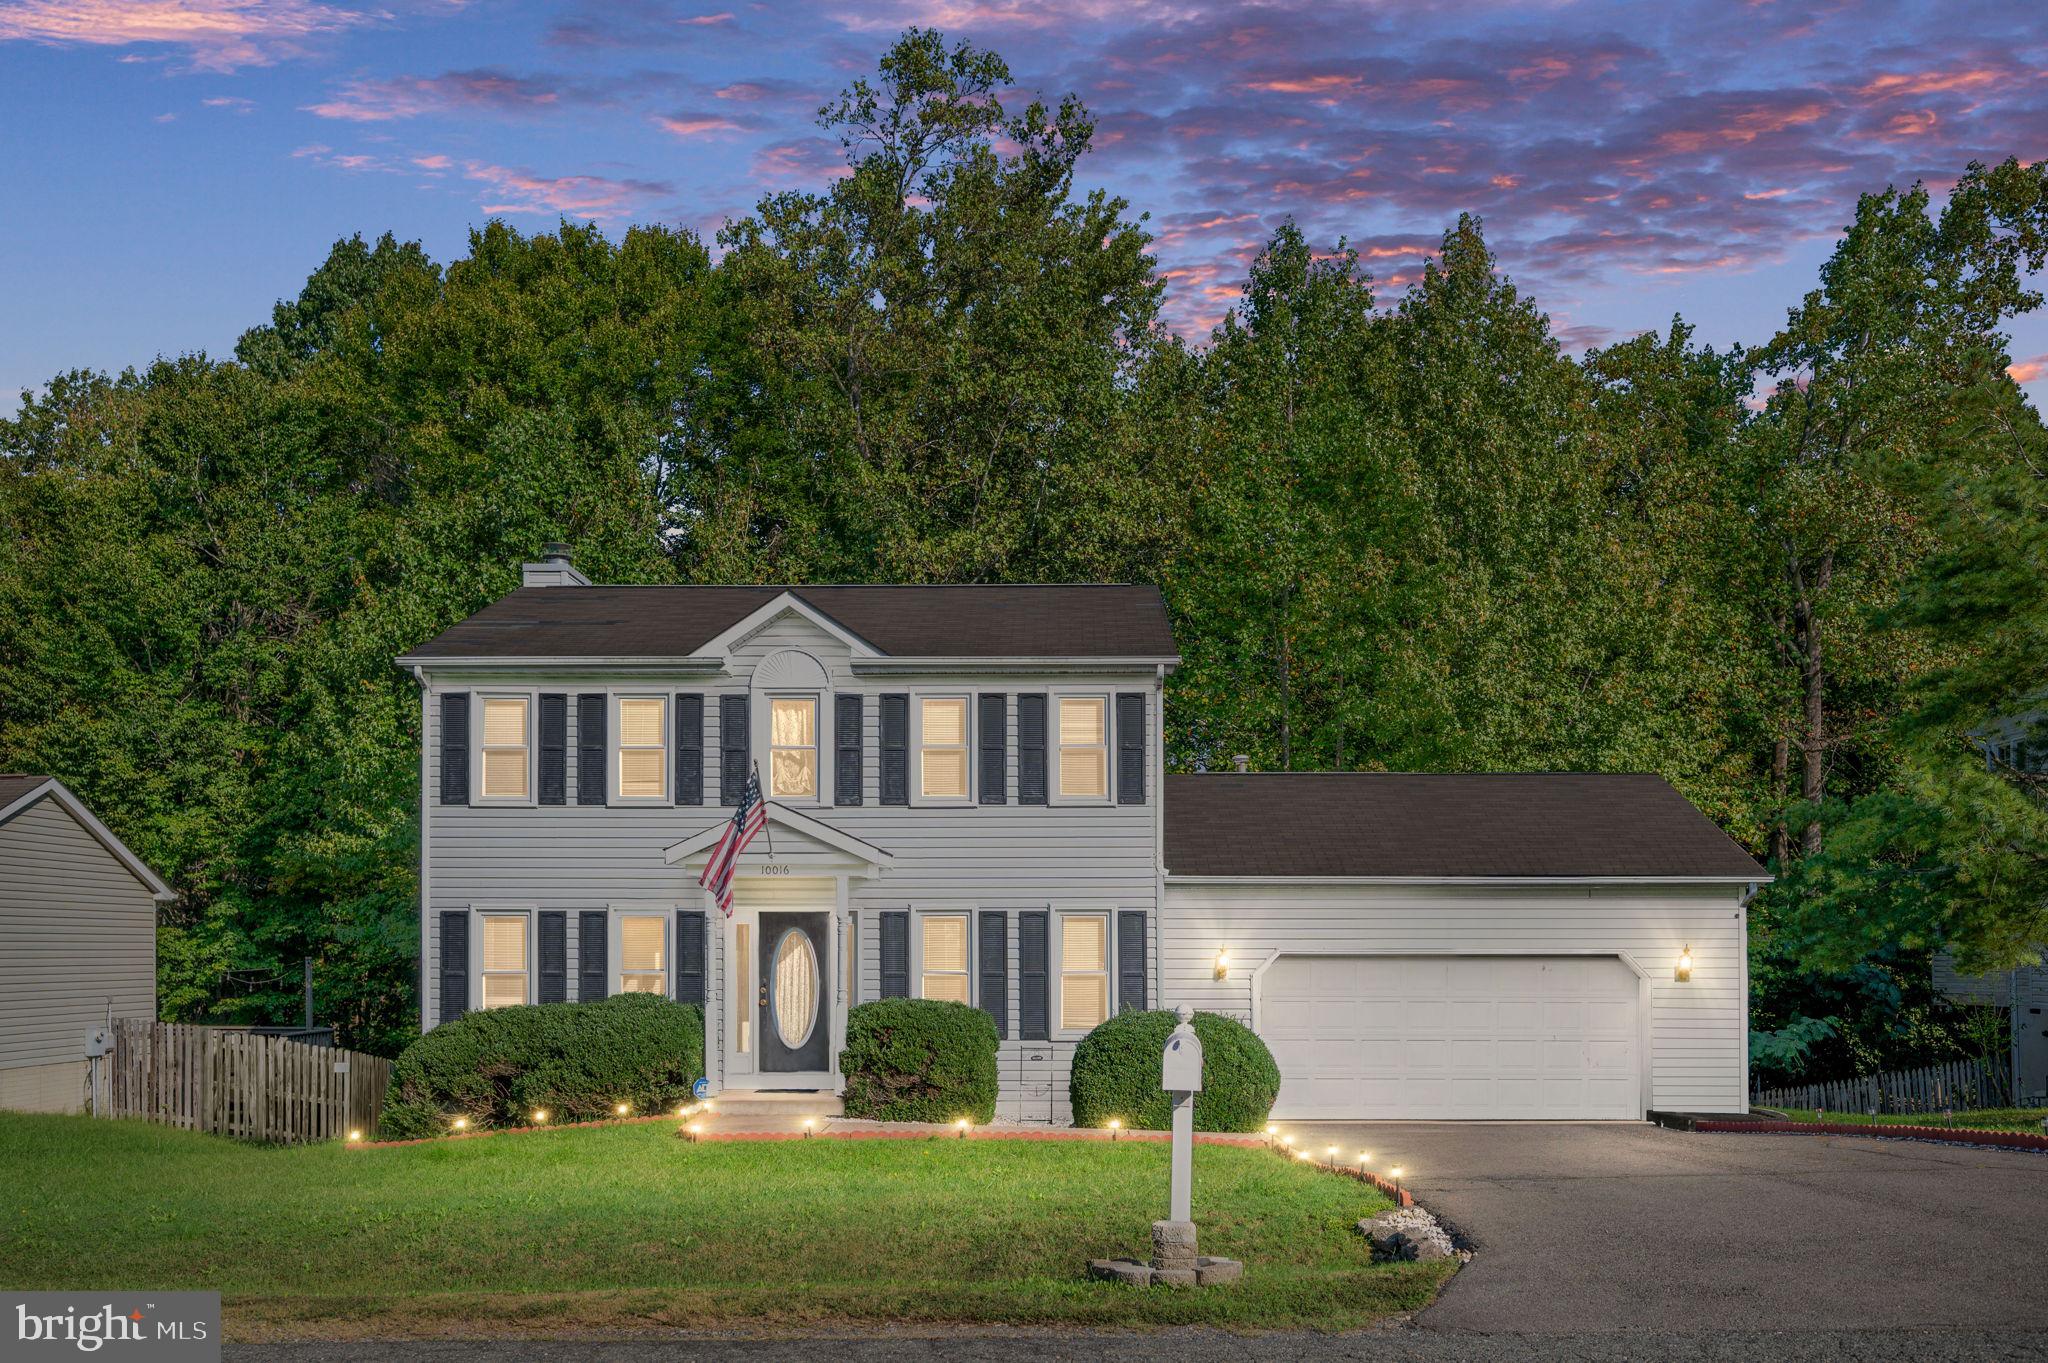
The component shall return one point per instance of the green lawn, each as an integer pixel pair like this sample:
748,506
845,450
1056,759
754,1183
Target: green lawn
1981,1119
629,1228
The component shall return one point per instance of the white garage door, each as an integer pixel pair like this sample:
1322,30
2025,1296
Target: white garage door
1453,1036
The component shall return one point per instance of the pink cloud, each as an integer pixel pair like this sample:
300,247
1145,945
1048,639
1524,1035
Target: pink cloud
513,190
2027,370
696,125
215,35
400,97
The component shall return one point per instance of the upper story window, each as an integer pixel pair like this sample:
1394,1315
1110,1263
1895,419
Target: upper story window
942,748
643,748
1084,970
943,950
505,748
504,960
1083,764
643,954
793,748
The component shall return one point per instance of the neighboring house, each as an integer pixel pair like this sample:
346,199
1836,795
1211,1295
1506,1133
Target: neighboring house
2023,993
77,940
967,801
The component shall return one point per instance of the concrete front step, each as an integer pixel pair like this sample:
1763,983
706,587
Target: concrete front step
791,1106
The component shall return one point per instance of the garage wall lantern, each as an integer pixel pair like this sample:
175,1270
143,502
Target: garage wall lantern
1223,965
1684,971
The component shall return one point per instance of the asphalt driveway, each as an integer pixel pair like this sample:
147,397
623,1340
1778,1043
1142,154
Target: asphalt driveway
1627,1226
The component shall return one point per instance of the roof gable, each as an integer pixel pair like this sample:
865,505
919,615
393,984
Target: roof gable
18,793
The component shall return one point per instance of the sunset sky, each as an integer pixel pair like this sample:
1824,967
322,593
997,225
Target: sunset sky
171,167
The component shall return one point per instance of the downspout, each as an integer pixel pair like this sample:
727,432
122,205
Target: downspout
419,675
1159,838
1749,892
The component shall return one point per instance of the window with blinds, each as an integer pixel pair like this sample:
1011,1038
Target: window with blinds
643,748
1084,747
504,748
643,954
503,982
942,748
793,748
943,951
1084,970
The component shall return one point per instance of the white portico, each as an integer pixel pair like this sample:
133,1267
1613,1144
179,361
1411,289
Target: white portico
781,976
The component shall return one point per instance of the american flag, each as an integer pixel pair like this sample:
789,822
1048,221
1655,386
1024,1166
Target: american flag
747,820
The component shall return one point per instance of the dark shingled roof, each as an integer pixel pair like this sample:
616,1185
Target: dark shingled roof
902,622
1431,825
14,785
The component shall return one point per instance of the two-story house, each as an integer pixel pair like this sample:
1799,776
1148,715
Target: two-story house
967,800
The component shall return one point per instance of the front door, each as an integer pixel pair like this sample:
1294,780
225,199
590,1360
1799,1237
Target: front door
794,993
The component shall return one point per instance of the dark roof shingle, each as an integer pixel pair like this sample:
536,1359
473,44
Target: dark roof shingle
902,622
1443,825
14,785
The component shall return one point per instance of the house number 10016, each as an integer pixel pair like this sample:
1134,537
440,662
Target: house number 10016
774,868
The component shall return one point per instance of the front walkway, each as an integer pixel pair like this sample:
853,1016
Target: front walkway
1627,1226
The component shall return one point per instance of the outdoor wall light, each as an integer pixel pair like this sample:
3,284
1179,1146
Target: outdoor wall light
1223,965
1684,971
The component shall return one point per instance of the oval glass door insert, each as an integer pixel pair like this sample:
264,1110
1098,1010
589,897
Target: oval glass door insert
794,992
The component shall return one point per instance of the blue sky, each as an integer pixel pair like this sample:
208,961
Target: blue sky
172,167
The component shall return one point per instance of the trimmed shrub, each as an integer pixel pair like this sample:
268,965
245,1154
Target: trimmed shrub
919,1060
577,1061
1116,1074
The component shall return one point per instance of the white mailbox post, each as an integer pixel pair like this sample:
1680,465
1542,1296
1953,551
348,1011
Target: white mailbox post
1180,1074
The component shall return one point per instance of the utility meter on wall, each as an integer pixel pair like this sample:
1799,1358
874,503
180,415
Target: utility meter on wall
98,1041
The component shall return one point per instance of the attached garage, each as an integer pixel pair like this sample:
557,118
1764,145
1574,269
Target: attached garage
1547,1037
1469,946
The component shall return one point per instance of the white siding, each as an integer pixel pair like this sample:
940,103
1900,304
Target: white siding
1697,1031
77,932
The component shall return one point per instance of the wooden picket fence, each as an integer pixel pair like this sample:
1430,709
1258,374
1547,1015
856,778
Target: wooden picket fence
1958,1084
231,1083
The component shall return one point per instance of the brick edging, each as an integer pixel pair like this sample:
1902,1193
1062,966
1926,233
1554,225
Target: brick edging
2010,1140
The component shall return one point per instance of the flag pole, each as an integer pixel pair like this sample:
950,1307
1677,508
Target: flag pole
766,827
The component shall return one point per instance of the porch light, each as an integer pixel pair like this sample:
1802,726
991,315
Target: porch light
1223,965
1684,971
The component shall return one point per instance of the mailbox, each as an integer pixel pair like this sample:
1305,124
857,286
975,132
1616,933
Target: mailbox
1180,1067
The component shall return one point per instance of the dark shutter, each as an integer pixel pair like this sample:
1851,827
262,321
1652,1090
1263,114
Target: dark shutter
1130,960
895,750
455,748
847,719
995,968
690,956
689,749
995,745
1034,982
895,954
454,964
590,750
593,954
732,748
554,957
554,749
1031,750
1130,747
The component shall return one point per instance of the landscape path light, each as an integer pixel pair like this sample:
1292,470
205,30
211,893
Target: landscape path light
623,1108
809,1122
461,1123
1115,1125
540,1116
961,1127
1331,1151
1364,1158
1396,1172
355,1135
